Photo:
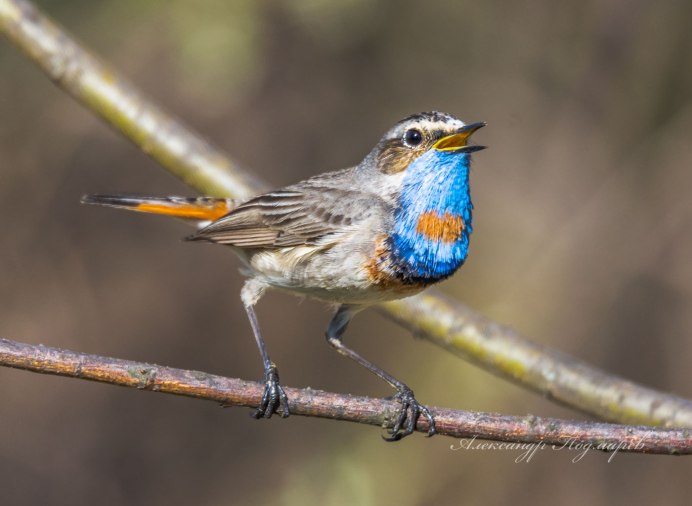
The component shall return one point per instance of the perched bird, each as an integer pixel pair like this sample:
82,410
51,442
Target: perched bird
387,228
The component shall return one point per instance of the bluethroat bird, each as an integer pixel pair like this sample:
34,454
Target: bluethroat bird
387,228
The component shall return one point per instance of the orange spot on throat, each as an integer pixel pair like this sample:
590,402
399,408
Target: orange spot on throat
446,228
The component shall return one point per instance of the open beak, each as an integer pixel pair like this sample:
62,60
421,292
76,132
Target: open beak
456,143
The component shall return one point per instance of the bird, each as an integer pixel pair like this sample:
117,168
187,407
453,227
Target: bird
386,228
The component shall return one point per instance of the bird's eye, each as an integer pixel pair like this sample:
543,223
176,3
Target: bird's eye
413,137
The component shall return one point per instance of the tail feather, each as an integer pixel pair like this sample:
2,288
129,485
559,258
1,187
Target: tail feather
193,208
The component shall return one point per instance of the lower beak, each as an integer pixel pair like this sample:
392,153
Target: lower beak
456,143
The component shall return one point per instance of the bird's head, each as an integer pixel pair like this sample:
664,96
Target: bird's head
419,134
423,164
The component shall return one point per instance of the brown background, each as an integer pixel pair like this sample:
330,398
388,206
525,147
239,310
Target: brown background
582,241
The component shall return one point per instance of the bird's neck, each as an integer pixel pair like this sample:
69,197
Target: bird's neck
433,218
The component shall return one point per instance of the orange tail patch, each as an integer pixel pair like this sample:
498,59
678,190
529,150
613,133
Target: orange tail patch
195,208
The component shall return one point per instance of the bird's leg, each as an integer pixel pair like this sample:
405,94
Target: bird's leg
411,409
273,396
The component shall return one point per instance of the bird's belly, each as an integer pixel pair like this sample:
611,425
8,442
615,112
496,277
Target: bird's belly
339,272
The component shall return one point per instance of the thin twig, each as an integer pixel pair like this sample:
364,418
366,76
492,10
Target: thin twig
316,403
448,324
114,99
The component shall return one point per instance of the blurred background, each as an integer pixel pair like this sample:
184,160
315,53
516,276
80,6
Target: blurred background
582,241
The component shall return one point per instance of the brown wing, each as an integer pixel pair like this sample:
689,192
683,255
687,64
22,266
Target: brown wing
296,215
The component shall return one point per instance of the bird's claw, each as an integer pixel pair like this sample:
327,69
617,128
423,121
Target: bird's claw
409,413
273,396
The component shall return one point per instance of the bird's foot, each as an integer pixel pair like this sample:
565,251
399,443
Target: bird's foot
410,411
273,396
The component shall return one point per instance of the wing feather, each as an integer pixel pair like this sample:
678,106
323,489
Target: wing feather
296,215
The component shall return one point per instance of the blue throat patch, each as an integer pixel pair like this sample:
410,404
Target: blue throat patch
432,222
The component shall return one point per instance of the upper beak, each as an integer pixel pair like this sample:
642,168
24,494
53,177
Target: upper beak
456,143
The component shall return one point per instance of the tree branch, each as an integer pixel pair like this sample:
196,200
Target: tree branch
502,351
530,430
448,324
